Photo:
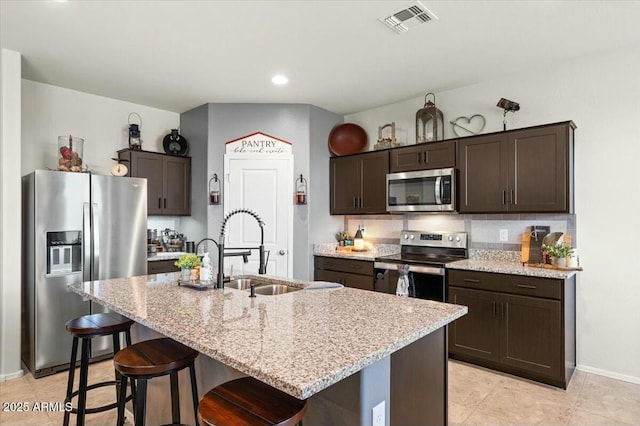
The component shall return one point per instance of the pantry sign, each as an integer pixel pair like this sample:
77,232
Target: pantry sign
258,143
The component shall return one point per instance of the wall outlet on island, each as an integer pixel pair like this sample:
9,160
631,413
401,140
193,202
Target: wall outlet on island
504,235
378,418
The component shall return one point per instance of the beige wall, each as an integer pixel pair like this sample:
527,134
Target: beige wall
50,111
600,94
10,223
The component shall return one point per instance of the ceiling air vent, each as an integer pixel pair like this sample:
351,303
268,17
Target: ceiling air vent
413,15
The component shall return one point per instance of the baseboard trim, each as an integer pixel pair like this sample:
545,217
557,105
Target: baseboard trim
16,375
606,373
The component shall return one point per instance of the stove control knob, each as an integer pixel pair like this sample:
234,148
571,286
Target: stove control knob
406,237
458,239
411,237
450,237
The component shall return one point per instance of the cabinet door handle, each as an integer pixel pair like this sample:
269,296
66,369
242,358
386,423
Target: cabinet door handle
511,194
532,287
419,158
504,196
354,202
502,309
493,308
159,202
426,157
165,203
471,280
359,202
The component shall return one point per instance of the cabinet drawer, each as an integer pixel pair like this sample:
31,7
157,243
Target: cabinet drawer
362,267
513,284
162,266
345,278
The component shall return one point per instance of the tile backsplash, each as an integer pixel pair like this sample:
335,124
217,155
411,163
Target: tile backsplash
483,229
161,222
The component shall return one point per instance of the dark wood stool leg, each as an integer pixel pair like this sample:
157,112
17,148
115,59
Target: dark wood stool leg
122,400
141,396
72,370
82,387
194,391
175,399
127,335
116,349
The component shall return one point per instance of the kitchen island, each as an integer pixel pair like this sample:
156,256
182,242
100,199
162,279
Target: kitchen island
344,349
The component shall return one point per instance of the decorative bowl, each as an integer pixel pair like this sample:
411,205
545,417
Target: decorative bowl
347,138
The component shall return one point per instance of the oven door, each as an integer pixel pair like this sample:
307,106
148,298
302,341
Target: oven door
424,190
426,282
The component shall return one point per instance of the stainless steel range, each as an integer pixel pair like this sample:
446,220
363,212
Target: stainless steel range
426,253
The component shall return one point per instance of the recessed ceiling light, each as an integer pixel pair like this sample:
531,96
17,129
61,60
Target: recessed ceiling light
279,79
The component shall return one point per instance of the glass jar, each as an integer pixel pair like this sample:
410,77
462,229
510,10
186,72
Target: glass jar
70,154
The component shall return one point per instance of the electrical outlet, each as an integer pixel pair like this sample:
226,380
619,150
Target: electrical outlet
504,235
378,412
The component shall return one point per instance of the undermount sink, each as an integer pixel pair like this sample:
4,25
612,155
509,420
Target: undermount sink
262,287
274,289
244,283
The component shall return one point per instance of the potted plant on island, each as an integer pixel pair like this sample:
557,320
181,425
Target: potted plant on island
559,253
186,263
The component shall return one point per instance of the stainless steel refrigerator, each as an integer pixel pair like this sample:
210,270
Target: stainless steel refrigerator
76,227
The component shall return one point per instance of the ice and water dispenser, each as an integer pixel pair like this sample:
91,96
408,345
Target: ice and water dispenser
64,252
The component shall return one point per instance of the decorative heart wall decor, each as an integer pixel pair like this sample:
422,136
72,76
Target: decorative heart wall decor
465,126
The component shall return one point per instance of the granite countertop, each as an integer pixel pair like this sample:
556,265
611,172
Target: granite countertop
374,250
483,260
168,255
299,342
505,267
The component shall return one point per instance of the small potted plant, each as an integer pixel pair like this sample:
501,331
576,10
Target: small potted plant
344,239
559,252
186,263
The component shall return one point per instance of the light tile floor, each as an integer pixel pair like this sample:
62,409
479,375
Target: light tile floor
476,397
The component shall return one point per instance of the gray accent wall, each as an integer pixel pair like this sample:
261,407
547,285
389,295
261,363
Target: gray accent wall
193,126
307,128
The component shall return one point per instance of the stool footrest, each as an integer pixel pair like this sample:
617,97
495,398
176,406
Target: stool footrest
101,408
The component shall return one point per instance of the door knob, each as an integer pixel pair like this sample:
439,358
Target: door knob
281,252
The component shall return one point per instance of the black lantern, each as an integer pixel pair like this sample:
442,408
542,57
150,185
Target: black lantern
507,106
429,122
301,190
135,142
214,190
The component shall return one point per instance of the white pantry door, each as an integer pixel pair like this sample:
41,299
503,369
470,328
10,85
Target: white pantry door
263,185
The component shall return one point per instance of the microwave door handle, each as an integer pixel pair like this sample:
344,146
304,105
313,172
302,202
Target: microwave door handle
438,190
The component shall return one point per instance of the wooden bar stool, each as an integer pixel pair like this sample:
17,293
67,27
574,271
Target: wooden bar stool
86,328
154,358
249,402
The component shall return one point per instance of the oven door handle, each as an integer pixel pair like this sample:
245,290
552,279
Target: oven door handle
433,270
438,190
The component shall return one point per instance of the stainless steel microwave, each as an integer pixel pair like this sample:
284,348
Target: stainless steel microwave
422,191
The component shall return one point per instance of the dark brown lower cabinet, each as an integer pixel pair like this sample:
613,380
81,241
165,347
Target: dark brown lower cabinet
516,324
348,272
162,266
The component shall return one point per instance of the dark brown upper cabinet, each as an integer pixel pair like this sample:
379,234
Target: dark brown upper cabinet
357,183
526,170
168,180
424,156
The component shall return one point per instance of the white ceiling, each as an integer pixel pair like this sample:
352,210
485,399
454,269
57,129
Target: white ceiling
176,55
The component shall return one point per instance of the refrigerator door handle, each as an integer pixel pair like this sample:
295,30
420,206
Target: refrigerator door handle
95,238
86,242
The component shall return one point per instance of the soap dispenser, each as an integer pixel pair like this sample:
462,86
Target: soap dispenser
206,274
